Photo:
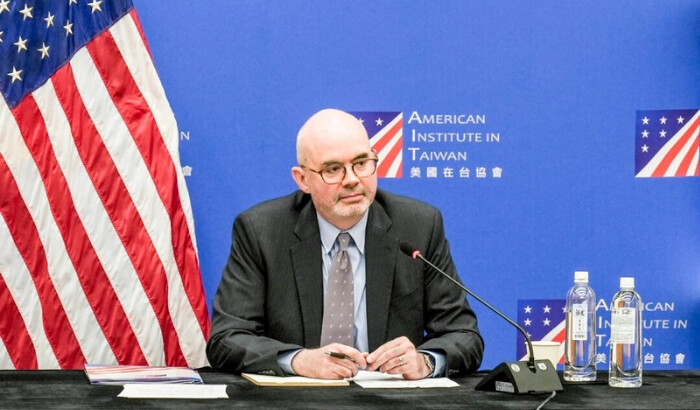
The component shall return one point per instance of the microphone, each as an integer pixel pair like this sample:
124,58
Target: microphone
533,376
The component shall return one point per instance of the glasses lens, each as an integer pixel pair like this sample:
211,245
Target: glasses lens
365,167
332,175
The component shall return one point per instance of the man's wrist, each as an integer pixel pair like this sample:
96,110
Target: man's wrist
429,362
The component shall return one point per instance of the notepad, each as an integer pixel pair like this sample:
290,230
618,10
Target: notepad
291,381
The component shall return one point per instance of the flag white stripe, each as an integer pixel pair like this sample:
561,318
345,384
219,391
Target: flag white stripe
99,228
135,54
21,286
694,162
5,362
649,168
142,190
71,295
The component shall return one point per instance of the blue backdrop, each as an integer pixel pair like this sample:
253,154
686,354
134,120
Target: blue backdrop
557,86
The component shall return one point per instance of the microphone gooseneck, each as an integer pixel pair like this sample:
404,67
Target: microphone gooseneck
414,253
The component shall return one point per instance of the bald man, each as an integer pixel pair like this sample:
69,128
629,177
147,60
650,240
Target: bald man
268,312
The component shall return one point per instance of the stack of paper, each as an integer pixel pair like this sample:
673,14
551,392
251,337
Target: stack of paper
99,374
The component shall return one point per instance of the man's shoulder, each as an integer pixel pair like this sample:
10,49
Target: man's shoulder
292,203
392,203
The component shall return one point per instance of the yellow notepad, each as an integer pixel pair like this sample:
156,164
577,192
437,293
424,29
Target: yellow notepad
291,381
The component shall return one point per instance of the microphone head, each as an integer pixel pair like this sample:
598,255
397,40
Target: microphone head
409,249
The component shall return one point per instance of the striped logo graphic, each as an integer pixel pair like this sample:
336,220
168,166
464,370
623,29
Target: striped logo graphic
666,143
543,320
385,131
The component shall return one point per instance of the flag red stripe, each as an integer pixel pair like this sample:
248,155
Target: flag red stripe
121,210
26,237
390,158
13,332
688,159
144,130
379,145
103,300
672,153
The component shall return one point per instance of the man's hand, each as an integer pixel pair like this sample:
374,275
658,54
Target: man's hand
317,364
399,356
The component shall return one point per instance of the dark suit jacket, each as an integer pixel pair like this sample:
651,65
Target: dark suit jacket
271,294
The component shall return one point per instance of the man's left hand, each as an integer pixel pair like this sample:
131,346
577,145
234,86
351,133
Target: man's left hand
399,356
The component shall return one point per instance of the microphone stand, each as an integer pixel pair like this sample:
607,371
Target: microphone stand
533,376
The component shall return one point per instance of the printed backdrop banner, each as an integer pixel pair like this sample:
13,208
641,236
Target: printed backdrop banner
554,136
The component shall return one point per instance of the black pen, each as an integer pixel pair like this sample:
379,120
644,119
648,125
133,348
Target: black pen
339,355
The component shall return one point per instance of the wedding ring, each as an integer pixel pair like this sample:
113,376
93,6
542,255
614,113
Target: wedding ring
400,360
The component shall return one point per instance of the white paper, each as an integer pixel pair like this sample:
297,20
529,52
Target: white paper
180,391
265,380
378,380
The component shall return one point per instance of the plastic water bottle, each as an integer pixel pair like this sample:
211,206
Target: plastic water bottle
580,357
626,337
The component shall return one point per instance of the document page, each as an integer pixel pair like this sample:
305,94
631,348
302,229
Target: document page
378,380
169,391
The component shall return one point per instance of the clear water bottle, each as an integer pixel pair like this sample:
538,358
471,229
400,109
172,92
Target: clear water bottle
580,344
626,337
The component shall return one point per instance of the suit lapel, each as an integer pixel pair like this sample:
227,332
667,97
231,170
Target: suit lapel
381,251
307,265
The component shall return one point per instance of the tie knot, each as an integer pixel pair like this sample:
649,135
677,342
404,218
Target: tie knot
344,240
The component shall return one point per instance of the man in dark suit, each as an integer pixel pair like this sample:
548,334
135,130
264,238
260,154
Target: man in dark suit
269,309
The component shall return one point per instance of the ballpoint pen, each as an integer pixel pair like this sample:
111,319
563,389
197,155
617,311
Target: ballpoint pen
339,355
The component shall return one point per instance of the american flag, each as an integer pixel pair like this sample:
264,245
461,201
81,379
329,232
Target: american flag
666,143
542,319
385,131
98,259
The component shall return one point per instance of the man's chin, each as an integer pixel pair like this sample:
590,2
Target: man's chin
350,210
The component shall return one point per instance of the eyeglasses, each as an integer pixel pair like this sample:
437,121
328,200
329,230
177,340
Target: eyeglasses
335,173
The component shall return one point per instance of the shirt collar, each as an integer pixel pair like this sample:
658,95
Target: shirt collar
329,232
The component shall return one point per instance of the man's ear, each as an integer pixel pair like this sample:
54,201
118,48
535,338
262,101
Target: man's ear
300,178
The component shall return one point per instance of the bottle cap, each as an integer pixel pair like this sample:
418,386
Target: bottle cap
626,283
581,276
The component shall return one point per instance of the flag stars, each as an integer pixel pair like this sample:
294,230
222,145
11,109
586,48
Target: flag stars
662,134
95,6
21,44
546,322
69,28
528,322
4,6
379,122
645,148
663,120
49,20
1,33
547,309
44,50
680,119
26,12
15,74
645,134
645,120
528,309
72,2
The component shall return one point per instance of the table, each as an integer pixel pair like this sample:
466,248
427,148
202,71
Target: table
69,389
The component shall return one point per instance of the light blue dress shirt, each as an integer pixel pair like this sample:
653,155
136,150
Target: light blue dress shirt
356,252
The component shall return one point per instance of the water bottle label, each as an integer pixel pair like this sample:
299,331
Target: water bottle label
622,325
580,322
